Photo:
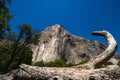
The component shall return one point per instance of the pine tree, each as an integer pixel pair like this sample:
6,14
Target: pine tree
5,17
19,47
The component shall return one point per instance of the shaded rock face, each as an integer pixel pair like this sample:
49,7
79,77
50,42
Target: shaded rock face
57,43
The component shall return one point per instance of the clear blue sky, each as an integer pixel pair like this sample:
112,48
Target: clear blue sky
79,17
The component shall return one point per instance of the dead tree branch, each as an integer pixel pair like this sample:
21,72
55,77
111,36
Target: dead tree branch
105,55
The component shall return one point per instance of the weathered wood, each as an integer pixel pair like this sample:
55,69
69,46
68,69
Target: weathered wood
27,72
105,55
47,73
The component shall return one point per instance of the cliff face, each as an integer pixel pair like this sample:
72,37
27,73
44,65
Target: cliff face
57,43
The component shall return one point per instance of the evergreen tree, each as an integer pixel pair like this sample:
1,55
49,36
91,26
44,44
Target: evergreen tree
35,37
5,17
12,36
12,55
20,46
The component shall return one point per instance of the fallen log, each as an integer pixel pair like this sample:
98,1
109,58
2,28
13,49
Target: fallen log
27,72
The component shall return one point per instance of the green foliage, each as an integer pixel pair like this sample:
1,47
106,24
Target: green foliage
13,65
4,51
4,54
35,38
18,51
4,48
5,17
49,64
24,56
118,63
83,62
12,36
69,64
25,33
55,63
40,63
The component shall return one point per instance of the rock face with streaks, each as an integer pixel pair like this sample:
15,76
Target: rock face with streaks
57,43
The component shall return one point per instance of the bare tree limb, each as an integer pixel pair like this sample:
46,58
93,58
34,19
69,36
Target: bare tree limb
105,55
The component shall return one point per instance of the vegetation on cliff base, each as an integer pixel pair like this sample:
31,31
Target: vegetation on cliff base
62,63
118,63
58,63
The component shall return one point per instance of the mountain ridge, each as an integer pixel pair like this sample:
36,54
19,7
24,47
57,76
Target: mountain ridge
57,43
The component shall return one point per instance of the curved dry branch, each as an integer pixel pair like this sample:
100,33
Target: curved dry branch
104,56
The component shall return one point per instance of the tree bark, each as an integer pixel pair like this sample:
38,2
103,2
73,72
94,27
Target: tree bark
53,73
27,72
105,55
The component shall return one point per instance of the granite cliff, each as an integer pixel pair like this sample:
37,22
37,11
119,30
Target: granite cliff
57,43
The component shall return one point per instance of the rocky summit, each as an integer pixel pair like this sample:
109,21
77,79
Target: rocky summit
57,43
